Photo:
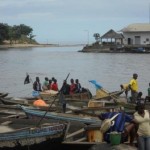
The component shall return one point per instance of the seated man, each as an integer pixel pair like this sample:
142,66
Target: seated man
78,86
45,84
119,125
140,100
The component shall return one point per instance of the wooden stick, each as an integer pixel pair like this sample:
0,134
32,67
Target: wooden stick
75,133
81,139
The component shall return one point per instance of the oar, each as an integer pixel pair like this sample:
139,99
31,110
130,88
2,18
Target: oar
52,102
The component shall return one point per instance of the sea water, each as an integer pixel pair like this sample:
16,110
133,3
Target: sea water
108,69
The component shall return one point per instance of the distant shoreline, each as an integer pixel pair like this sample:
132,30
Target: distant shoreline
7,46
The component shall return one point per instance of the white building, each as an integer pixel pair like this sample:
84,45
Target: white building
136,34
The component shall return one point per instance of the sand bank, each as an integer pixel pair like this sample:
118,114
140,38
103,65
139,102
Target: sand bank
26,45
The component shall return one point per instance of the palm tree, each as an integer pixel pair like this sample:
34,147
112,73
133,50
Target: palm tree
97,37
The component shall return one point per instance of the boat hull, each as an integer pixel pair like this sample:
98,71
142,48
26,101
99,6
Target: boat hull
33,138
59,116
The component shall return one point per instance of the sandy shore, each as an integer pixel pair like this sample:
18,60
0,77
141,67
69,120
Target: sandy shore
7,46
26,45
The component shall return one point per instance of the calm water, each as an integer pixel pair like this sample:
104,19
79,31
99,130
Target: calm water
110,70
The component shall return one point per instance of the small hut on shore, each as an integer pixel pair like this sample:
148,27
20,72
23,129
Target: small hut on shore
112,38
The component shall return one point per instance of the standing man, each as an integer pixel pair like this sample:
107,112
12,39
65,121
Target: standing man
37,85
133,85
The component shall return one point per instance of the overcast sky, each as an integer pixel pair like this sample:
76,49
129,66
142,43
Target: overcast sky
71,21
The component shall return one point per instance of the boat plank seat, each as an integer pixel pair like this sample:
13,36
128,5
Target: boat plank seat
11,116
81,139
4,129
6,123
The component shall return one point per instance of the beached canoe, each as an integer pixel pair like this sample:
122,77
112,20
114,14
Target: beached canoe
13,101
18,136
3,94
59,116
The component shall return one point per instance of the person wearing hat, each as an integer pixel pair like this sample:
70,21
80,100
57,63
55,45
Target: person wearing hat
133,85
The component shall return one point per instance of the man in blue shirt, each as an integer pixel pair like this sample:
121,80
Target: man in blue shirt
119,124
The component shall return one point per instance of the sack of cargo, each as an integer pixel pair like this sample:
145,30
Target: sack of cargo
107,123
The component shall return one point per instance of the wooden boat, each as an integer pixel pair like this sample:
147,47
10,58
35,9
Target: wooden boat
80,96
77,99
47,95
60,116
13,101
103,94
14,106
95,111
3,94
21,135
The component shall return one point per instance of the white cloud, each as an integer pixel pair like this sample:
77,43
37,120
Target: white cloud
76,15
18,3
35,15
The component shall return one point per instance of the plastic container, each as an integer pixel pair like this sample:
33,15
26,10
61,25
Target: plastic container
35,93
95,136
93,133
115,138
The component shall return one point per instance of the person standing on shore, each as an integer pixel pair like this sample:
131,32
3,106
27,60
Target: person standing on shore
133,85
142,117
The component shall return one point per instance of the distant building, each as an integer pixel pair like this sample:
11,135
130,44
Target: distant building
112,37
136,34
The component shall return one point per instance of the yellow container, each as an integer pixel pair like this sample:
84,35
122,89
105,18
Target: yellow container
95,136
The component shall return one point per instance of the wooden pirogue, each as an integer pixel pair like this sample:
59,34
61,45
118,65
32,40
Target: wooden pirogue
60,116
20,134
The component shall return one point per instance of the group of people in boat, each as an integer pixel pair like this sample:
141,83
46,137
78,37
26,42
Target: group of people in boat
51,84
48,84
74,87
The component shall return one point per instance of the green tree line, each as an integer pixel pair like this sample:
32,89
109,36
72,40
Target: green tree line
21,33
